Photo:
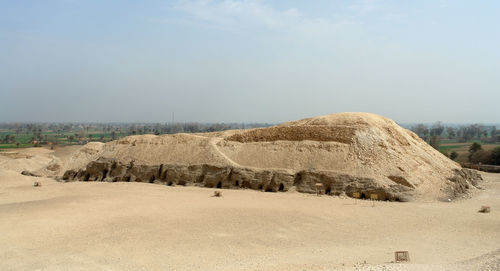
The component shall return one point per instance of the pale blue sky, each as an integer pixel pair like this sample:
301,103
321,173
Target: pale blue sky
249,61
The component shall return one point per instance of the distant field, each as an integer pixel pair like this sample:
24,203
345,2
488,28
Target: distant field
462,149
452,147
8,146
25,139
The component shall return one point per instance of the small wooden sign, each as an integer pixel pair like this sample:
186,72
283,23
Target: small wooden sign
402,256
374,196
356,195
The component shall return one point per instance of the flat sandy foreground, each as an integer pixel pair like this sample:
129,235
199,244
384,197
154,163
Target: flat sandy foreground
138,226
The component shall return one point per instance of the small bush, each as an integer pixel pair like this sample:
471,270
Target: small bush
481,156
495,156
217,194
475,147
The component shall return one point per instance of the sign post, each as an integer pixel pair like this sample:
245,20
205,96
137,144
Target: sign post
356,196
373,197
402,256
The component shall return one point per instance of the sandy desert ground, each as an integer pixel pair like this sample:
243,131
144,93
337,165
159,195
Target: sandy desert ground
138,226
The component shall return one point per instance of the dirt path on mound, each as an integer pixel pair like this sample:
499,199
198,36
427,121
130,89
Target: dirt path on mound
213,142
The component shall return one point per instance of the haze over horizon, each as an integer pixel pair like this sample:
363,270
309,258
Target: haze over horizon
248,61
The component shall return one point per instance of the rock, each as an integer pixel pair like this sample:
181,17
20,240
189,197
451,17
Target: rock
28,173
182,175
462,180
215,176
485,209
333,183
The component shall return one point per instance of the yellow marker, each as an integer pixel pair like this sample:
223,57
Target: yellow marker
374,196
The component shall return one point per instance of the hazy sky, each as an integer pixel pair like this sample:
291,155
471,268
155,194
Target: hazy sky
249,61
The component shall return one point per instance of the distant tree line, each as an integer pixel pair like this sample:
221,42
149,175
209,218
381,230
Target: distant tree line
435,133
478,155
464,133
188,127
81,133
8,139
139,128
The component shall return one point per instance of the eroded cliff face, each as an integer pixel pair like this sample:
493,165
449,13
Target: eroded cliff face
307,181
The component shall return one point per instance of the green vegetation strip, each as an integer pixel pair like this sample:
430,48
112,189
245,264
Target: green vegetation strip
450,147
9,146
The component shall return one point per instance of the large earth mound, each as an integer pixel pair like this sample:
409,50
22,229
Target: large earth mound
360,154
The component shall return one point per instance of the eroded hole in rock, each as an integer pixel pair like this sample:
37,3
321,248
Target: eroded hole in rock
237,184
86,178
269,189
152,179
298,179
170,183
363,196
160,169
219,185
281,187
260,187
126,179
328,190
200,178
104,173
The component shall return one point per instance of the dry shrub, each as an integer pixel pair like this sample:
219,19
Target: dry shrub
485,209
217,194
